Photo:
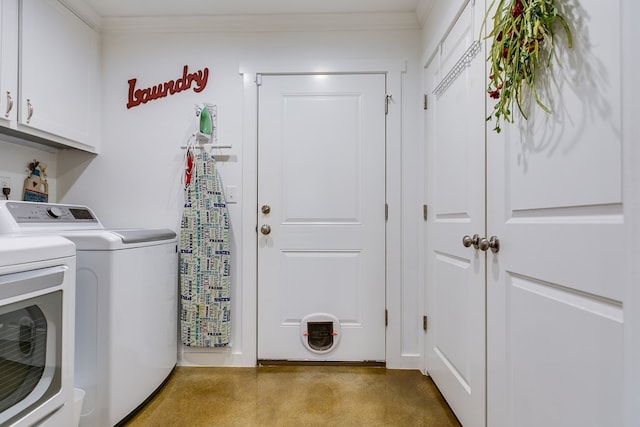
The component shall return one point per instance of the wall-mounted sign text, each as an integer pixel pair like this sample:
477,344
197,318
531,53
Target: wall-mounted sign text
196,79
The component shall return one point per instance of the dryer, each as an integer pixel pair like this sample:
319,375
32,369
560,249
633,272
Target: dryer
37,276
126,305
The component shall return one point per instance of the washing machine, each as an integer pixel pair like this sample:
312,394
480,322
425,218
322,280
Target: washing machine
37,283
126,305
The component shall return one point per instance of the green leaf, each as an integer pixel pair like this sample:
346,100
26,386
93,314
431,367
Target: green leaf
520,52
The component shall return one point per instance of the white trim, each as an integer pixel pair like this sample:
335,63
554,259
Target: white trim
83,11
249,292
631,196
394,70
438,25
395,283
423,10
278,66
253,23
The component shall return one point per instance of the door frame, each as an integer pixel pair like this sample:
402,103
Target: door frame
631,195
248,292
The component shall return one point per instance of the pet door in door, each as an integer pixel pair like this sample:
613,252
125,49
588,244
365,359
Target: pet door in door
320,332
320,335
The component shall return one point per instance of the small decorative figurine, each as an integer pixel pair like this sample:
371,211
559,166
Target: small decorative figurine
36,187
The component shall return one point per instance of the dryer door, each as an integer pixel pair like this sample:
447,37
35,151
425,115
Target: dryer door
30,341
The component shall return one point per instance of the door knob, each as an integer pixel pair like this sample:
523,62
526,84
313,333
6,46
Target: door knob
265,209
265,229
468,241
493,243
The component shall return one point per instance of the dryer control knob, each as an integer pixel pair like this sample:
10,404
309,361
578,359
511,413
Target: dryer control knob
54,212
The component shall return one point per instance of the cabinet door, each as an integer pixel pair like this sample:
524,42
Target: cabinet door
58,72
8,61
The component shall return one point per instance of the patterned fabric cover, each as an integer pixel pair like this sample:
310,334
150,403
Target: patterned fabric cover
205,262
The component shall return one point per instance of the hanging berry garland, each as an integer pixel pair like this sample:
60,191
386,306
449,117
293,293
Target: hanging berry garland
522,42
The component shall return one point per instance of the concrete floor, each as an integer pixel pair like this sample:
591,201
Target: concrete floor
295,396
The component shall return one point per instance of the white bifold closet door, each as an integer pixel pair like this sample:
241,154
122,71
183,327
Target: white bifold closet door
542,318
455,187
555,290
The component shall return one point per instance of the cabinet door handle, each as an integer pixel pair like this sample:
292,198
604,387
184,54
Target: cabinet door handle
30,110
9,104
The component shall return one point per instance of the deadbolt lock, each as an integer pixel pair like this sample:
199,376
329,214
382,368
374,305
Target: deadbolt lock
265,229
265,209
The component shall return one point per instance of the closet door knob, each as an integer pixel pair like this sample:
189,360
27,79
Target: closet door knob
467,241
493,243
265,229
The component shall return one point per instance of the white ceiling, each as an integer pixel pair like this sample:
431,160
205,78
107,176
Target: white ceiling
158,8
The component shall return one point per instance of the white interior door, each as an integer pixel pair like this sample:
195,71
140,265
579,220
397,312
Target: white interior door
321,241
555,289
455,353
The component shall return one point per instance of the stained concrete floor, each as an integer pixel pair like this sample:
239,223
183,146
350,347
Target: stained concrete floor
295,396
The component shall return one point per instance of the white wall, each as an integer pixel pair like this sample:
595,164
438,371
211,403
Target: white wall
14,164
135,181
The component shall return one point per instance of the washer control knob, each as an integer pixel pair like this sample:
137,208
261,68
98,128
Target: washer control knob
54,212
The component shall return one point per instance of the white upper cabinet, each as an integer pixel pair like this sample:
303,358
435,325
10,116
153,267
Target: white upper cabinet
8,62
55,65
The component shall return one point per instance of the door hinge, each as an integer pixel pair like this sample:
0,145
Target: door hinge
386,212
387,100
425,211
424,323
426,102
386,317
258,79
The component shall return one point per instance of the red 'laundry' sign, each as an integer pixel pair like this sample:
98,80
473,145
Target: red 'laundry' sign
141,96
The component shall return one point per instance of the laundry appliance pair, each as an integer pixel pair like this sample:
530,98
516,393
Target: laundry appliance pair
125,306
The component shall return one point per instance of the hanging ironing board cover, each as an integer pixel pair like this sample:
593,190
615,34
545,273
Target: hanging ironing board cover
205,262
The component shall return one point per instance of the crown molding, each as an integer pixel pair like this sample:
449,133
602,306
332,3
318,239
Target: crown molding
261,23
84,12
423,10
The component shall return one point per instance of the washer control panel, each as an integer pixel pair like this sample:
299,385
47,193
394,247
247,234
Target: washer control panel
26,212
